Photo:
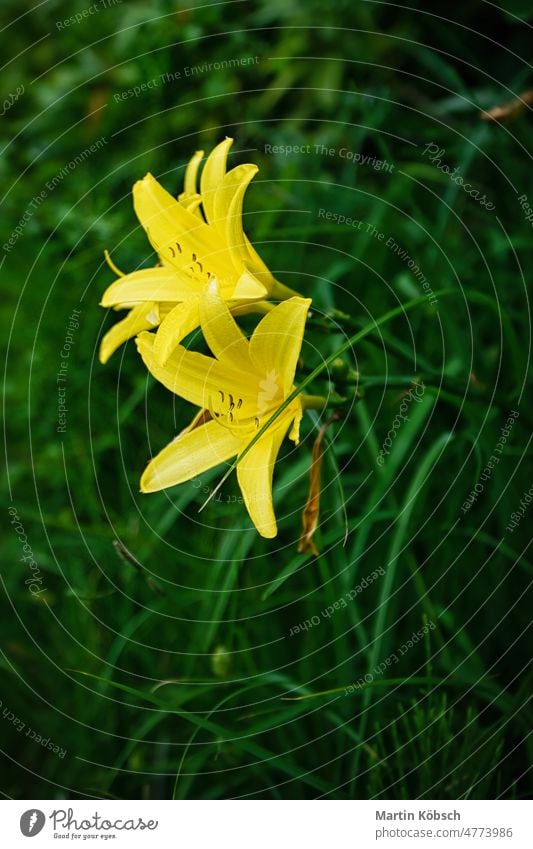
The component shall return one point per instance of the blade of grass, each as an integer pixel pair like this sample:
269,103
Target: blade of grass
419,480
388,316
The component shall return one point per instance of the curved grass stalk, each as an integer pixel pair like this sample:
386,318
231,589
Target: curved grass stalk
385,318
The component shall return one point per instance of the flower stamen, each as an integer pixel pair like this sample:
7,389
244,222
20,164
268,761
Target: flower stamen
225,416
112,265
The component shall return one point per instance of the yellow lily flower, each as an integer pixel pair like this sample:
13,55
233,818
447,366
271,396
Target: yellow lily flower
198,237
241,387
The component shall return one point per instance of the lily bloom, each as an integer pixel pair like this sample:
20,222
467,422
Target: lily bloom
237,390
197,237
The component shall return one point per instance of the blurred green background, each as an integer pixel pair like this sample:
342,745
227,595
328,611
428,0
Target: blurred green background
178,676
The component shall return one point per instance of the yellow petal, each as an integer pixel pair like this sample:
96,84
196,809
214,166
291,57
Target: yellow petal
212,176
254,473
298,415
235,182
229,199
140,318
276,342
182,240
259,268
189,455
276,291
201,380
245,308
191,172
180,321
191,203
248,288
149,284
201,418
222,334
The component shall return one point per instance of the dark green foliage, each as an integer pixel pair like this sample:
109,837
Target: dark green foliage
175,674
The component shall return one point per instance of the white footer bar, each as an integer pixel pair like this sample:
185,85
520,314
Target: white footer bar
257,824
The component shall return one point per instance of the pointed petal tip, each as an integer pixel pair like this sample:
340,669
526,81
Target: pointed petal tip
144,340
249,169
147,177
248,287
148,481
222,148
108,302
144,183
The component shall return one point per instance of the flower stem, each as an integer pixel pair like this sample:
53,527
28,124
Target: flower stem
323,366
313,402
